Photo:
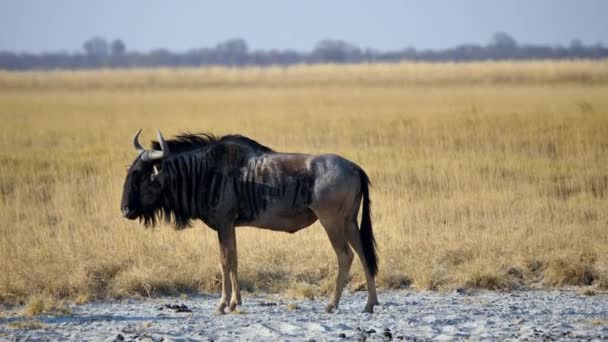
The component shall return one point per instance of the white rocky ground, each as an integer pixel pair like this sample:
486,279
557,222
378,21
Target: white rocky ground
403,315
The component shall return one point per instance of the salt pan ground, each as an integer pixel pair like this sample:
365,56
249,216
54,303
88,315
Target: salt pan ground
403,315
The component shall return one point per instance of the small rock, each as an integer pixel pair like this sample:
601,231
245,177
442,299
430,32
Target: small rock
119,337
461,291
388,334
183,308
359,338
178,308
371,331
342,335
267,304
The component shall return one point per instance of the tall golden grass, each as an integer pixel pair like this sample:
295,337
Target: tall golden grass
490,175
402,74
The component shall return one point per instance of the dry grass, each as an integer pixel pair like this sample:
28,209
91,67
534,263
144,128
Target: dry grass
484,174
293,307
586,291
302,290
240,311
305,76
44,305
27,325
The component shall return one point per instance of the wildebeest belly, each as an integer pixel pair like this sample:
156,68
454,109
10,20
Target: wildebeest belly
282,207
285,221
275,192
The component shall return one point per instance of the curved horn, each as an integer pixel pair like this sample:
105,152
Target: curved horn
163,153
163,144
136,143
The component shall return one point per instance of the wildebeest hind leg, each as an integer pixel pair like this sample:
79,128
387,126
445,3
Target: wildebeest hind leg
334,226
354,238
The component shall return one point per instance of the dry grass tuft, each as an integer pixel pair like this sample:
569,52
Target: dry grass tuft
27,325
45,305
602,282
391,281
488,175
599,322
489,280
570,271
82,299
439,278
587,291
36,306
302,290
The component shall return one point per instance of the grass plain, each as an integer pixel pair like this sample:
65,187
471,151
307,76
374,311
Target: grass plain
491,175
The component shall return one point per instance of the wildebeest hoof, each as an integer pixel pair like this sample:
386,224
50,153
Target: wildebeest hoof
329,308
232,306
220,309
369,308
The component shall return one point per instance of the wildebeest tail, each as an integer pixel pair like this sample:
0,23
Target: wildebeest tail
367,234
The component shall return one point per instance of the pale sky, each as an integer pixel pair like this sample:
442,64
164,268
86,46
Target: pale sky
36,26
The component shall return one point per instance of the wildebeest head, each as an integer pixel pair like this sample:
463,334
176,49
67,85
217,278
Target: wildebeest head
143,187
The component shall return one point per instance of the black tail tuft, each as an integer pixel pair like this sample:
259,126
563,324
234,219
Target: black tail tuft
367,235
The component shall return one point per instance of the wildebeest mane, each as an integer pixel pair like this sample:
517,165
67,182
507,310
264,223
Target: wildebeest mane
193,179
186,142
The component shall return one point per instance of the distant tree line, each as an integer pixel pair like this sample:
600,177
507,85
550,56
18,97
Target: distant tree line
100,53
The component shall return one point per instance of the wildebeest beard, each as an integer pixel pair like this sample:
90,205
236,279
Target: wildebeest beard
186,183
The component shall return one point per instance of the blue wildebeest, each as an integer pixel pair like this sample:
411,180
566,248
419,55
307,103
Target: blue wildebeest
234,181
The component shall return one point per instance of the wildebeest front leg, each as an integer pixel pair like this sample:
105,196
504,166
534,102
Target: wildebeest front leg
235,299
227,241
